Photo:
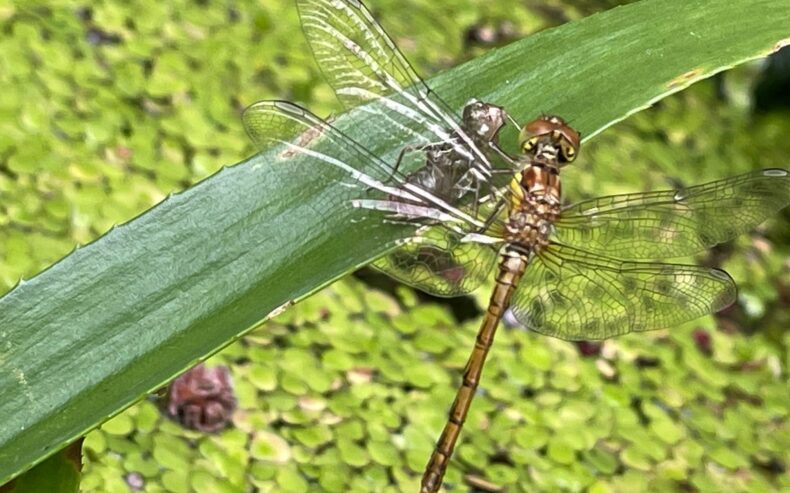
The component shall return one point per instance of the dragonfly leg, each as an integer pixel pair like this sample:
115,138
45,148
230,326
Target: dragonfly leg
477,199
401,155
510,160
492,217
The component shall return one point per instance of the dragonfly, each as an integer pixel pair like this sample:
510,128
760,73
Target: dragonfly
577,272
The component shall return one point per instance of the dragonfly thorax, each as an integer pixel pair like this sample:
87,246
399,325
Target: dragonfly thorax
447,178
535,191
535,203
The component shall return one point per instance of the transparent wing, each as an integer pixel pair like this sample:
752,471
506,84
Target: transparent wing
433,258
358,59
570,294
273,123
440,264
380,187
674,223
362,64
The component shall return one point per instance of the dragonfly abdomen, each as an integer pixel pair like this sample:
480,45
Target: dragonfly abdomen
511,268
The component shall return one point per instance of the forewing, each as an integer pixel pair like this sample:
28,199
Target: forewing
439,263
362,64
281,123
433,258
674,223
358,59
273,123
570,294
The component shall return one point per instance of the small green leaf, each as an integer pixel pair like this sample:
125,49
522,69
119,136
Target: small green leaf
667,430
560,452
313,436
383,453
634,458
270,447
728,457
351,453
601,460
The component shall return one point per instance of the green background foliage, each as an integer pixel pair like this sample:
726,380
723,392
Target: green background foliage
347,390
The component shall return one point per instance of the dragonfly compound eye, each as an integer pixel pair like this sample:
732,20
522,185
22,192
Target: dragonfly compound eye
568,152
550,129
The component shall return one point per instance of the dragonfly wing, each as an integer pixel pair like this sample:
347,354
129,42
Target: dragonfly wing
362,64
674,223
434,257
281,123
358,59
440,264
575,295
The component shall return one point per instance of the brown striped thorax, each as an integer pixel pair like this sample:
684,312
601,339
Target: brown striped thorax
536,192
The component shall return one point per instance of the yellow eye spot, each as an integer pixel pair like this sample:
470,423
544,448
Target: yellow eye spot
530,144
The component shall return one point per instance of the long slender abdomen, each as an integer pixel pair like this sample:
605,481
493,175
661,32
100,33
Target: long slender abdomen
511,268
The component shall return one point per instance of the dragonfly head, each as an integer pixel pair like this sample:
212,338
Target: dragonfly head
483,120
550,135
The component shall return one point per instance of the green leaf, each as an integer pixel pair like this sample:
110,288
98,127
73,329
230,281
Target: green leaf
561,452
667,430
635,459
728,457
601,460
116,319
58,474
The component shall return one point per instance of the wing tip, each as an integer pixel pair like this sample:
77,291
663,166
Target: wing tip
729,294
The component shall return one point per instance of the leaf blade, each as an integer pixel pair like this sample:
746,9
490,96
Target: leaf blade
116,319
